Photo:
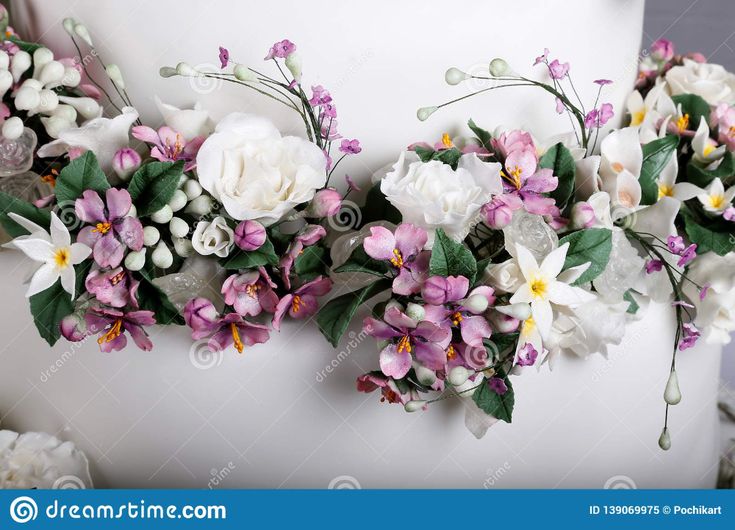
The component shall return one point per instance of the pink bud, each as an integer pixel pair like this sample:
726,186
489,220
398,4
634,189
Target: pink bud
662,50
498,214
503,323
125,162
326,202
583,215
73,327
696,57
250,235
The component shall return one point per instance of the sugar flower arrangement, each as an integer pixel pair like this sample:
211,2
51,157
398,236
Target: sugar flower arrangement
486,256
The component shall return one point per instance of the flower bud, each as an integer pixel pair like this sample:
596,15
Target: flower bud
125,162
498,214
87,107
662,50
243,73
664,441
250,235
415,312
55,124
73,327
69,24
498,67
293,63
520,311
167,71
72,77
20,62
115,75
458,375
202,205
186,69
161,256
27,98
151,235
476,303
393,303
583,215
41,57
178,227
183,247
178,200
13,128
503,323
163,215
6,81
415,404
133,212
135,260
4,60
326,203
455,76
49,101
424,376
52,74
192,188
672,394
83,33
424,112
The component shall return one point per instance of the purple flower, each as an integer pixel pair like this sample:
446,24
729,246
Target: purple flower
662,50
703,292
499,211
542,58
523,179
73,327
224,57
352,186
596,118
250,293
602,82
201,316
583,215
515,140
113,230
371,381
404,252
319,96
116,287
250,235
232,329
112,325
654,265
558,70
676,244
729,213
281,50
302,303
169,145
350,147
690,335
497,385
309,235
408,338
687,255
559,106
527,355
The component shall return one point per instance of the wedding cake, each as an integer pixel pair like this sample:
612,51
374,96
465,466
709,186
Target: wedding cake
285,414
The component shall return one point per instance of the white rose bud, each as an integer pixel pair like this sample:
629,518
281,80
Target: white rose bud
162,256
115,75
243,73
455,76
13,128
183,247
415,311
193,189
151,235
424,376
213,237
19,64
135,260
178,200
6,81
458,375
414,405
163,215
202,205
178,227
83,33
424,112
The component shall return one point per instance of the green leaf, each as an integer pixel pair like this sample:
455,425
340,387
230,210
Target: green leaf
153,185
592,245
497,406
240,259
449,258
499,344
359,261
482,135
633,306
707,239
48,308
703,177
656,155
449,156
334,318
312,262
81,174
151,298
377,208
424,153
10,204
28,47
695,106
560,160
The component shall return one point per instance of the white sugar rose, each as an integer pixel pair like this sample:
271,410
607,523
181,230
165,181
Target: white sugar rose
39,460
433,195
710,81
255,172
716,312
504,277
213,237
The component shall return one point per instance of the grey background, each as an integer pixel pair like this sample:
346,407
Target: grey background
708,27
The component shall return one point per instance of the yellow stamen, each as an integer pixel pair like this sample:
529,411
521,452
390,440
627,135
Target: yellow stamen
708,149
252,290
638,117
538,287
236,337
404,344
102,228
664,190
451,353
456,318
682,123
61,258
716,201
117,278
528,326
731,131
447,141
397,259
513,176
112,333
296,303
50,179
178,146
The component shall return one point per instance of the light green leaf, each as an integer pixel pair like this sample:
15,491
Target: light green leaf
592,245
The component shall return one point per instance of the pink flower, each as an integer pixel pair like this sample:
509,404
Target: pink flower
404,251
596,118
319,96
542,58
558,70
559,106
115,287
676,244
307,236
250,235
224,57
281,50
662,50
350,147
250,293
654,265
687,255
602,82
499,211
112,325
201,316
583,215
527,355
232,329
169,145
125,162
690,335
302,303
326,203
497,385
515,140
351,184
729,213
388,388
522,179
723,118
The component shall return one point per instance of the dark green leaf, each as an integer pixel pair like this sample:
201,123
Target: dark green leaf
424,153
359,261
449,258
81,174
592,245
312,262
240,259
48,308
560,160
334,318
497,406
28,47
703,177
151,298
482,135
153,185
656,155
695,106
10,204
449,156
377,208
706,238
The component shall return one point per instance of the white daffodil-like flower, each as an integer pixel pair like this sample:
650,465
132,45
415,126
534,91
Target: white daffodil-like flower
542,287
621,158
706,150
668,187
54,250
642,111
715,199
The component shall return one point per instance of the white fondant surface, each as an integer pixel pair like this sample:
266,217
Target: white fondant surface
277,417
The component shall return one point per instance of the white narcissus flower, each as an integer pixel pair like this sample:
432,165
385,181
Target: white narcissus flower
255,172
711,82
103,136
190,123
621,158
542,287
39,460
715,309
213,237
54,250
715,199
706,150
432,195
642,111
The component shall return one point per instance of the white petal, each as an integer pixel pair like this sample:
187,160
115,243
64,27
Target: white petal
563,294
522,295
526,262
68,280
59,233
554,262
543,316
44,278
716,187
32,227
34,248
686,190
572,274
79,252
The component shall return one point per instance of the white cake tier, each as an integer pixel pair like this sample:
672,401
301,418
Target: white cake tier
286,414
381,59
